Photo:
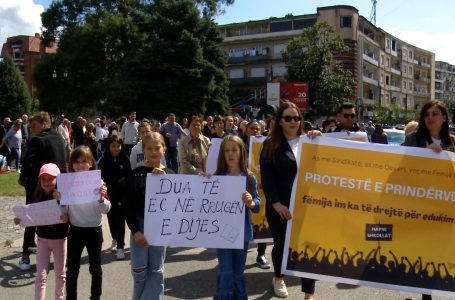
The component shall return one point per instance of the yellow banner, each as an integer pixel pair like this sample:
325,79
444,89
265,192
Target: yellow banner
261,231
375,215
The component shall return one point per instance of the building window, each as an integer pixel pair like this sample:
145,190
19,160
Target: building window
346,21
410,54
410,85
382,78
387,43
382,60
404,84
387,80
387,62
405,53
404,69
257,72
236,73
410,70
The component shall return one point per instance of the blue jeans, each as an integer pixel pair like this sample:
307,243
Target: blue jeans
171,159
149,282
231,279
15,156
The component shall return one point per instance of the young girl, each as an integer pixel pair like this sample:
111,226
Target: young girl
115,169
147,261
232,162
51,238
85,229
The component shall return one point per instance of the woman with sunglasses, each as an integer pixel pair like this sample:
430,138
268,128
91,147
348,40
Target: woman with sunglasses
278,163
433,132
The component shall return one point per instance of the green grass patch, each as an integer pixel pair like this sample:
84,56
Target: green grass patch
9,185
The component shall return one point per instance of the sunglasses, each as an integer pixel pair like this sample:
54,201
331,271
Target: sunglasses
347,116
289,118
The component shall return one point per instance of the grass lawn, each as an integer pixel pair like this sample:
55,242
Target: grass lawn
9,185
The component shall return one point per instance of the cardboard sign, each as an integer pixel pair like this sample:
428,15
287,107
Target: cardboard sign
79,187
38,214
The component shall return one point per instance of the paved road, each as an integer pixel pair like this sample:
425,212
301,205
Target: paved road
190,274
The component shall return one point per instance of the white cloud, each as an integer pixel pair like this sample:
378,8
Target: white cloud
19,17
442,44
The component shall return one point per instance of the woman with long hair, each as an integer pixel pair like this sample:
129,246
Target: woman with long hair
278,164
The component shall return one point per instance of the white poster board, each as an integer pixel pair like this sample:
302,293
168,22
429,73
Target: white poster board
352,136
38,214
212,157
273,93
79,187
195,211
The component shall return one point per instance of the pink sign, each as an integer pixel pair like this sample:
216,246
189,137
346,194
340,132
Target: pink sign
79,187
38,214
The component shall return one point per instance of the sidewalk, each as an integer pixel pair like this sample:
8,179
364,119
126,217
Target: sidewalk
8,231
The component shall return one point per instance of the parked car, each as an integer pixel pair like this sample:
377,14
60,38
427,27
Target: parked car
394,136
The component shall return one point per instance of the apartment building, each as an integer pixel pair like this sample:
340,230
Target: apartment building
387,71
25,52
444,82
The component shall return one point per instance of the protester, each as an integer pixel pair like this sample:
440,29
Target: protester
172,131
46,146
63,129
231,279
147,261
137,155
379,136
218,128
433,133
345,116
85,229
115,168
4,128
90,140
253,128
208,128
78,131
278,170
13,140
51,238
410,127
229,126
193,149
329,124
129,132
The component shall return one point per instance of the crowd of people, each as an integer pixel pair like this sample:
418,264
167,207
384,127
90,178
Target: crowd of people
126,150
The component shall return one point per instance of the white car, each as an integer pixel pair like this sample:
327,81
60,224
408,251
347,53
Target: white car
395,136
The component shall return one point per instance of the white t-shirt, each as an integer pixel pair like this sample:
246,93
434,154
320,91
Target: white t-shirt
294,144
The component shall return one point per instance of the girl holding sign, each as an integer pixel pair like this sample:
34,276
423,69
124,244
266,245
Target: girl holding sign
51,238
85,229
231,278
147,261
278,164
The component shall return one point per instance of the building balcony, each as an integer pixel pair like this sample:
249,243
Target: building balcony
421,63
369,80
367,101
370,59
422,78
394,52
421,92
395,88
248,81
395,70
248,59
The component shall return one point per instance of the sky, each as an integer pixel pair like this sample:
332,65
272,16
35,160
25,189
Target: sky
427,24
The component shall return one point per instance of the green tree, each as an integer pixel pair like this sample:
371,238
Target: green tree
311,58
180,68
14,96
102,43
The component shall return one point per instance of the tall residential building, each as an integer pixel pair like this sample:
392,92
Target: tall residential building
25,52
444,82
387,71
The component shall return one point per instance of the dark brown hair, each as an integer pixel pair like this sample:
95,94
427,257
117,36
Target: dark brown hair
422,131
78,152
277,136
109,141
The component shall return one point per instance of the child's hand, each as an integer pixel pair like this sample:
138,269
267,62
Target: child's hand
56,195
140,239
158,171
103,193
17,221
64,218
248,200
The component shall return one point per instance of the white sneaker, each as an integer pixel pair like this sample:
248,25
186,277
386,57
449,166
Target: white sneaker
24,264
120,255
279,288
113,246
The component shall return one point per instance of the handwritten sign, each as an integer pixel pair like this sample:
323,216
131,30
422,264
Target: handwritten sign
212,157
79,187
195,211
38,214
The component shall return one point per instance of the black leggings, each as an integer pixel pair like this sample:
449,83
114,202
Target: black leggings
278,229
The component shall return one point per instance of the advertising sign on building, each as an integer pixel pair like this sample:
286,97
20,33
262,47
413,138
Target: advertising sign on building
296,92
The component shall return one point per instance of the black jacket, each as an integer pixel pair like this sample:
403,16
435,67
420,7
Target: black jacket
277,176
340,128
115,171
46,147
135,196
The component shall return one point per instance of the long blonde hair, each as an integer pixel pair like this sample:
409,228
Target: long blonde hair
221,166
